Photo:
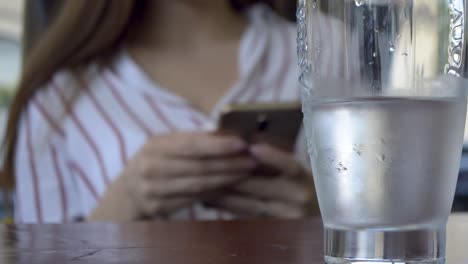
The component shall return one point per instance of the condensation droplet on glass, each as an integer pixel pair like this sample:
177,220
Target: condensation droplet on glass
398,36
405,54
314,4
457,33
451,6
382,158
392,47
341,167
300,12
374,54
358,2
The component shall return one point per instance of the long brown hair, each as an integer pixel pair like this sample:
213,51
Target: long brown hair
81,31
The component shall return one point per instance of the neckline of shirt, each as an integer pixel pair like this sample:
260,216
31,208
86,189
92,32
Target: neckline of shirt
251,49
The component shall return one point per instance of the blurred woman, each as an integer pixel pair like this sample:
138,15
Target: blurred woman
116,105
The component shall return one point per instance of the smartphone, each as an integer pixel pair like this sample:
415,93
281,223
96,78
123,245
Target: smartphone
277,124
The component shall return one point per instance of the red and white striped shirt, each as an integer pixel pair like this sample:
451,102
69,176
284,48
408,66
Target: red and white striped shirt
77,135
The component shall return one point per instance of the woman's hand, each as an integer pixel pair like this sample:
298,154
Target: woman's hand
175,170
290,194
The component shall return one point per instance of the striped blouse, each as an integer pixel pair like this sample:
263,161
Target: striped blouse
77,134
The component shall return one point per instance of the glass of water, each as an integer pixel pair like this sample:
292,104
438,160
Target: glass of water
384,110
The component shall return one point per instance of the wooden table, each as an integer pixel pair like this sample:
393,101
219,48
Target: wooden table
243,242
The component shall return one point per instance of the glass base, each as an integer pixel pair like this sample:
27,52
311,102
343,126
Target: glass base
370,246
331,260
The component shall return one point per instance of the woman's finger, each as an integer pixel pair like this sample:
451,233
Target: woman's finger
278,189
276,158
198,145
190,185
208,167
250,207
163,207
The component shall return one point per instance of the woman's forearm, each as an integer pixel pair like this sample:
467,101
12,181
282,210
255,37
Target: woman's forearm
115,205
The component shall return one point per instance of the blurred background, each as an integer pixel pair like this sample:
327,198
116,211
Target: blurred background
10,51
13,41
11,17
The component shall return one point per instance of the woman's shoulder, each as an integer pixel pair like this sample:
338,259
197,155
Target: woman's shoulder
66,85
281,33
277,67
264,16
50,108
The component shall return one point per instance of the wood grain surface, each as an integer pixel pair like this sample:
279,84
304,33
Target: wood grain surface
272,242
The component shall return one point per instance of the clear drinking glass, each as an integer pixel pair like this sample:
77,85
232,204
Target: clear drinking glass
384,110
